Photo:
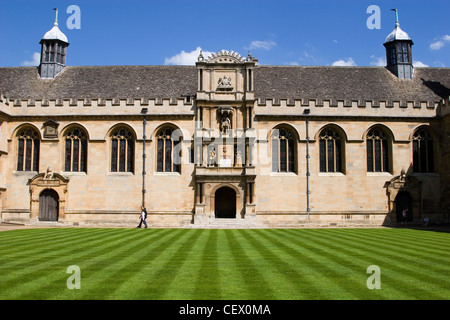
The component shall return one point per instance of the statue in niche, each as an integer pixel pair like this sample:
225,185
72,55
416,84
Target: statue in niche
225,124
239,158
212,157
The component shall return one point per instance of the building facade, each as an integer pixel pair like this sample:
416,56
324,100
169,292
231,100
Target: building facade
227,141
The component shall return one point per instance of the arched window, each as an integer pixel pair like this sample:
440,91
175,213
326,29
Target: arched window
423,151
378,155
168,158
75,152
28,150
122,150
283,151
330,144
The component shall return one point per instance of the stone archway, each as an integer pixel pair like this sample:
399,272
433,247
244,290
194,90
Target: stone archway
225,203
48,192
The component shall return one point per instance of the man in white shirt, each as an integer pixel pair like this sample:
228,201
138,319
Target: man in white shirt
143,216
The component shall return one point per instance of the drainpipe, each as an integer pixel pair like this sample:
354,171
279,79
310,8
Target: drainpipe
308,192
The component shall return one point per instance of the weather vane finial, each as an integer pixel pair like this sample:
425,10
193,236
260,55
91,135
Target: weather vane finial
396,17
56,18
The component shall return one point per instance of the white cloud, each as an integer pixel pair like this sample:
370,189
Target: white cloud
35,61
343,63
437,45
266,44
186,58
419,64
377,61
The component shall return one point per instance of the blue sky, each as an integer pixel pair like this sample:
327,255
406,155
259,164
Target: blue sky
277,32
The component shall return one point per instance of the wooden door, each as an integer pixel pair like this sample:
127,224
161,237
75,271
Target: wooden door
48,205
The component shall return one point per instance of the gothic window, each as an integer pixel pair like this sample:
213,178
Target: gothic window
283,151
122,150
75,152
423,151
168,151
330,144
28,150
378,156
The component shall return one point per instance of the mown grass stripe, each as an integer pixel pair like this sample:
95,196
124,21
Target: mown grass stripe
105,274
52,266
393,270
414,256
338,276
244,279
207,278
287,275
153,274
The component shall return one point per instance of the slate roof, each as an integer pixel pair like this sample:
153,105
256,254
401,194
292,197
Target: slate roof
270,82
353,83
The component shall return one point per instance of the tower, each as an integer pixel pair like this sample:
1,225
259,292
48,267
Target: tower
398,52
53,52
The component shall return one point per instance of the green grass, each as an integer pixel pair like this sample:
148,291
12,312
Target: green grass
224,264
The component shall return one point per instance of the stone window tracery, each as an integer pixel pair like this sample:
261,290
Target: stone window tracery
28,150
75,152
378,155
283,151
330,149
122,150
423,152
168,145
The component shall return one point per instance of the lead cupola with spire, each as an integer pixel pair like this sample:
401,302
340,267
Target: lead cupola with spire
398,52
53,51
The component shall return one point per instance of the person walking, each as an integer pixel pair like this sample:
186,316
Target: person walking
143,217
405,216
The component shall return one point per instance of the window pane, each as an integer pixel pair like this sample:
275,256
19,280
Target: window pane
283,160
159,155
275,155
370,155
291,155
83,156
377,156
68,154
176,156
20,155
114,155
338,155
36,155
28,149
423,155
385,156
416,166
122,155
168,155
76,154
130,155
330,155
323,160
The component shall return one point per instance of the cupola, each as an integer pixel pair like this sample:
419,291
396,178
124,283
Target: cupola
53,51
398,52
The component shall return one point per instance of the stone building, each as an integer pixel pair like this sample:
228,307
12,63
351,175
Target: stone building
224,142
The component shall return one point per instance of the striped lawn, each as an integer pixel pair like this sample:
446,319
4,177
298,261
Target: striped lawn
225,264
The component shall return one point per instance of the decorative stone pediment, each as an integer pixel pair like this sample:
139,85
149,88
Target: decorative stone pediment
223,56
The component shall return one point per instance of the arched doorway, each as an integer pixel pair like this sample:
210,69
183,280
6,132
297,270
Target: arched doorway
48,205
225,203
403,200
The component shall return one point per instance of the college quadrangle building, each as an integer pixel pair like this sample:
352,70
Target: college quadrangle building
227,141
